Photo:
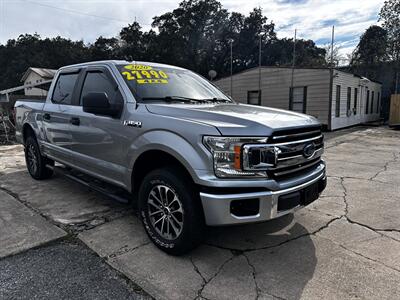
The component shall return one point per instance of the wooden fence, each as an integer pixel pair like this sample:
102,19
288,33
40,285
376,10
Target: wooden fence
394,117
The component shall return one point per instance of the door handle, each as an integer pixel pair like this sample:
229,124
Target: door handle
46,116
75,121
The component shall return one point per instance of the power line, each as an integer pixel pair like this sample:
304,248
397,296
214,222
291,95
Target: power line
80,13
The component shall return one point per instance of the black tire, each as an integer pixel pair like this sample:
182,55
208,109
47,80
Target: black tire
35,162
174,183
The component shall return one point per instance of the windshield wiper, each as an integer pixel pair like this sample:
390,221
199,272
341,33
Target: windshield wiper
174,98
217,99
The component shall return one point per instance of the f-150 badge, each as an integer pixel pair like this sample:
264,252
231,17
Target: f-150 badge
137,124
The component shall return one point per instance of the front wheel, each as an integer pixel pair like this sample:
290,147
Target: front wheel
170,210
35,162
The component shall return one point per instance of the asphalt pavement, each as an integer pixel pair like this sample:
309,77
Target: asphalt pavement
59,239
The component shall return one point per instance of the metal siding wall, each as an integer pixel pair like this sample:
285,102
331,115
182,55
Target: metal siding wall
346,80
275,85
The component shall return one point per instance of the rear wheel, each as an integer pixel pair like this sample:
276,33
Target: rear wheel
170,211
35,162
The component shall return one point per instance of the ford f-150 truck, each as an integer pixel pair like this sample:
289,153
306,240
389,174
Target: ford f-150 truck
189,154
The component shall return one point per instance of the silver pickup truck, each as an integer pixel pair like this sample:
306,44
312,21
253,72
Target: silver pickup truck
187,152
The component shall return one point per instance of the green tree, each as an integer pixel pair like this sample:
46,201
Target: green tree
334,55
105,48
280,52
229,35
132,43
198,35
390,18
32,51
192,34
372,48
255,26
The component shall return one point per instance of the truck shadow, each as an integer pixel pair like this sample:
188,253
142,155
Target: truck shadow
281,253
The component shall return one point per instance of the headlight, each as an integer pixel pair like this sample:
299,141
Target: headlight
227,154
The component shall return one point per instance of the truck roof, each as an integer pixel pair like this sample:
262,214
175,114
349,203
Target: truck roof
118,62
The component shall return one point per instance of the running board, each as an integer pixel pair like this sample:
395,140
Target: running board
97,185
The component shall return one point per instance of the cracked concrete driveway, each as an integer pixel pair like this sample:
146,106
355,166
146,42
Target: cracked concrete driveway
344,245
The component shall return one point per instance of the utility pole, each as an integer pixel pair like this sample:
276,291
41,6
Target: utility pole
332,42
231,68
331,81
293,59
259,67
396,83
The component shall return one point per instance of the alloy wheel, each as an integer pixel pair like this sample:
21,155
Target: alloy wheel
165,211
32,159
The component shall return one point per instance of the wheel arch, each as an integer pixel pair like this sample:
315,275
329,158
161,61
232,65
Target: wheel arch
158,148
27,130
154,159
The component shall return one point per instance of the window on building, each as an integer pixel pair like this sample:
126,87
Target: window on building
367,104
254,97
372,102
348,99
378,104
337,105
64,88
298,99
98,82
355,100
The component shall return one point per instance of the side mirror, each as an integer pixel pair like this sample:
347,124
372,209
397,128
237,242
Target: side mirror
99,104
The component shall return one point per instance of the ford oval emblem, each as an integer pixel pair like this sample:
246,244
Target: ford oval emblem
309,150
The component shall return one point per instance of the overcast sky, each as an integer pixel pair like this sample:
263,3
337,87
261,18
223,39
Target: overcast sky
88,19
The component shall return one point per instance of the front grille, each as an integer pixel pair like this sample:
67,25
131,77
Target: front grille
289,135
291,159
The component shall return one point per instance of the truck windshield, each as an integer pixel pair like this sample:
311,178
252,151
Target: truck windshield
153,83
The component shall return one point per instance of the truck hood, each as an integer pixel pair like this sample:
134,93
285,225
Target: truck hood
236,119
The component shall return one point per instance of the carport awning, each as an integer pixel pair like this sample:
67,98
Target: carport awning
4,93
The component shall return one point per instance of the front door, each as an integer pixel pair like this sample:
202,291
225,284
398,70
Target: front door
97,141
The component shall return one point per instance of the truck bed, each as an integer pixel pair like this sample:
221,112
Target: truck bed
24,109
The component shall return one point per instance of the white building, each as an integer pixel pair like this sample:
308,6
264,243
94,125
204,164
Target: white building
36,76
353,99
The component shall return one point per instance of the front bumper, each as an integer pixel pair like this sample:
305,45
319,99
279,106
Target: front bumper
217,207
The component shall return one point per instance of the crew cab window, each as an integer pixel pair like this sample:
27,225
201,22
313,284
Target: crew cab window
98,82
64,88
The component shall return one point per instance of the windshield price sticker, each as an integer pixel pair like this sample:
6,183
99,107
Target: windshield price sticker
144,74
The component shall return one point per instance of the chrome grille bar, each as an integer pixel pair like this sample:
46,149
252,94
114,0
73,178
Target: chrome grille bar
285,154
280,137
297,141
298,159
287,172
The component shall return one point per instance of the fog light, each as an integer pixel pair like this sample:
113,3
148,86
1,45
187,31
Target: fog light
245,207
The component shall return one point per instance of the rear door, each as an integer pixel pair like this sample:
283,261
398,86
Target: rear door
56,117
97,141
